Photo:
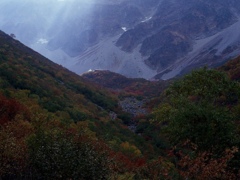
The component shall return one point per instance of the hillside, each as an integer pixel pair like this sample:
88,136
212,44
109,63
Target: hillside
128,86
47,111
232,68
55,124
56,88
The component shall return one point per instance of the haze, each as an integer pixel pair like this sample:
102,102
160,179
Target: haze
31,20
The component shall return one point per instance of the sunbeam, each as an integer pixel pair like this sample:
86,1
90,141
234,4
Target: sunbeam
30,19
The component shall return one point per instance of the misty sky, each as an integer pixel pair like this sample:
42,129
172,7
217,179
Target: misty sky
29,19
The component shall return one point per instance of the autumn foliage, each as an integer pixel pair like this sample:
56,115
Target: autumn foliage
9,109
55,125
205,166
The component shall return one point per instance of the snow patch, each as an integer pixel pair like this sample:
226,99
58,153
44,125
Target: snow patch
42,41
124,28
90,70
147,19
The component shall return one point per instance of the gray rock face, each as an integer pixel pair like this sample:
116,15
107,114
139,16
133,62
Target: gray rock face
156,39
171,34
80,32
133,106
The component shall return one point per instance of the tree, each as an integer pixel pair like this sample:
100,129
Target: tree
9,109
198,108
57,155
205,166
13,35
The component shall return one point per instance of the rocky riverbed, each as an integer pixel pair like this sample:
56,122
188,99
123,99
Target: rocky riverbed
134,107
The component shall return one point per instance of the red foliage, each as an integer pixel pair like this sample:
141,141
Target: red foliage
122,163
9,108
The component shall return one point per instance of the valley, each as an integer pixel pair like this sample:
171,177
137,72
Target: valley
55,123
118,89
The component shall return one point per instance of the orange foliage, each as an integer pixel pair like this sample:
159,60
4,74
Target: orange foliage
13,147
205,166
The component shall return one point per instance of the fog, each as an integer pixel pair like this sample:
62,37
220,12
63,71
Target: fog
31,20
65,30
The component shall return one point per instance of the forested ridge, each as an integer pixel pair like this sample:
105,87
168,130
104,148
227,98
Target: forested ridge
54,124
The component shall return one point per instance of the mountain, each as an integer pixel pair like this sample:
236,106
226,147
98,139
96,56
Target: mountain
58,125
155,39
183,35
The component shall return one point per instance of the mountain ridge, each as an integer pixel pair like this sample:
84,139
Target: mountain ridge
158,39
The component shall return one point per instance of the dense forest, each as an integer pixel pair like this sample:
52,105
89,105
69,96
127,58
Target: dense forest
55,124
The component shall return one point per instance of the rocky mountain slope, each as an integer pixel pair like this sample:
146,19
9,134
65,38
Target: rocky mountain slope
157,39
55,124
